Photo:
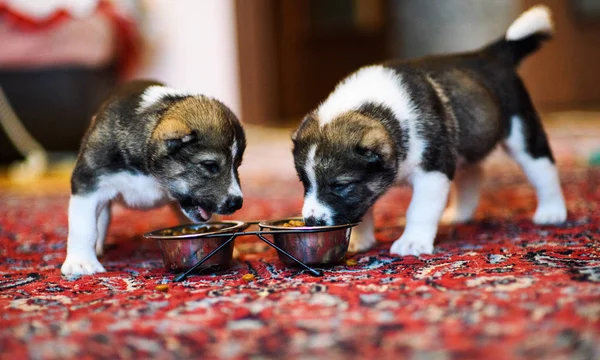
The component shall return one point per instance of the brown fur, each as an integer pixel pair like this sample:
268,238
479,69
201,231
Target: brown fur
171,128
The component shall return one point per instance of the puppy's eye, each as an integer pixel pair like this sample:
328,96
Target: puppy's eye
211,166
340,186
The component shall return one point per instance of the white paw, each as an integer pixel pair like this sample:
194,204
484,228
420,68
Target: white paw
454,216
81,266
550,214
412,245
361,242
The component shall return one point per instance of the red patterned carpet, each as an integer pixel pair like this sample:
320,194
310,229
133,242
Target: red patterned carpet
498,288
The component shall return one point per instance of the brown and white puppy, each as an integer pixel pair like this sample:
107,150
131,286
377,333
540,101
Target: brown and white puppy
429,122
149,145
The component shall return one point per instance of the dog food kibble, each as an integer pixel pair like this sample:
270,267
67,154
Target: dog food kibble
248,277
184,231
351,262
294,223
187,231
162,287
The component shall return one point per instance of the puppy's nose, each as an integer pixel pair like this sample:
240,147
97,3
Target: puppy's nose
234,203
313,221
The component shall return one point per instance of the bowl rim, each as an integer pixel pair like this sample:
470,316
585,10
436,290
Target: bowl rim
237,226
268,224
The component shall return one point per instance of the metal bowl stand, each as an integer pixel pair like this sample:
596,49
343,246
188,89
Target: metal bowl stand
259,234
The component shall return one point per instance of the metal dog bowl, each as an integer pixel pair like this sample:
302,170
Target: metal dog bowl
310,244
183,246
184,249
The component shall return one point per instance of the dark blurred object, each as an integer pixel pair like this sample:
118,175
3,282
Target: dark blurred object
60,59
587,9
55,105
320,42
293,52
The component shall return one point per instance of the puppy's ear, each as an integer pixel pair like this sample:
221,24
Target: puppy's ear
376,146
174,132
309,126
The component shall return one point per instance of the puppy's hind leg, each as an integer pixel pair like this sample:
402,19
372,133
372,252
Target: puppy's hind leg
84,211
362,237
465,197
103,222
528,145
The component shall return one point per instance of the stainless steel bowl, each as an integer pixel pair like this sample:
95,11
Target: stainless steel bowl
183,246
310,244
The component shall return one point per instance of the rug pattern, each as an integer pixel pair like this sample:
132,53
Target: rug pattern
496,288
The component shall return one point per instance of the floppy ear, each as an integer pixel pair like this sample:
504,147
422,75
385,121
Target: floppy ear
173,132
376,145
171,129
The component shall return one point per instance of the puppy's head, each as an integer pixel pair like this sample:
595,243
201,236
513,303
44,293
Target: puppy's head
344,165
195,151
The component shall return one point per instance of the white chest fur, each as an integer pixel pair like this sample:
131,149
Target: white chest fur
137,191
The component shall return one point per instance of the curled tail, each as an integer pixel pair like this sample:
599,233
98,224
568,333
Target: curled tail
524,36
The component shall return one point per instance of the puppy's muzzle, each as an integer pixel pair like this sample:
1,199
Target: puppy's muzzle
314,221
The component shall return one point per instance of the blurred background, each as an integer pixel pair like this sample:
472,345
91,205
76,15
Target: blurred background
271,61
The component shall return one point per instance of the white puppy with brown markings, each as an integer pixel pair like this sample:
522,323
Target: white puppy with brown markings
429,121
150,145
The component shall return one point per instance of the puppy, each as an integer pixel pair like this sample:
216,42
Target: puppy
149,145
429,121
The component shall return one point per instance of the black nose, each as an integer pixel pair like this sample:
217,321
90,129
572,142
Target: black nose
234,203
313,221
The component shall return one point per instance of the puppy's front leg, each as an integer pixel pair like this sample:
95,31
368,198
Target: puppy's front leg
83,233
362,237
430,193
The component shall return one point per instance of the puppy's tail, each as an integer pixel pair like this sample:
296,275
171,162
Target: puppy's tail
524,36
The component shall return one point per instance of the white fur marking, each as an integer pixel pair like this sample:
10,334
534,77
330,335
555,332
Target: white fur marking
430,192
542,174
83,234
380,85
234,186
155,93
538,19
87,218
376,84
137,191
312,206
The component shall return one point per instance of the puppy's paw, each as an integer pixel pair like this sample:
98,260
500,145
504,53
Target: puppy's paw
236,253
453,215
412,245
81,266
554,213
360,242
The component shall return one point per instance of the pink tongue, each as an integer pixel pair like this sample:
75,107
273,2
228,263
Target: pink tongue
205,215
